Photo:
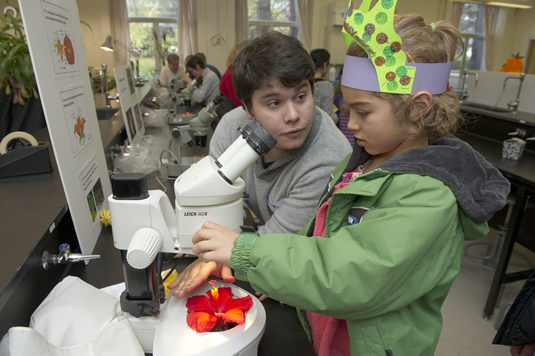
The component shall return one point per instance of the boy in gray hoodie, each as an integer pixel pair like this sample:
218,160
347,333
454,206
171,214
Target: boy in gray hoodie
274,79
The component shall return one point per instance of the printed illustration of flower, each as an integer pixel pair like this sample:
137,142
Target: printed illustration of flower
79,129
217,310
60,48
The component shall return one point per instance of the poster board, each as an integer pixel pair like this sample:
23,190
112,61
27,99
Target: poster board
58,57
129,100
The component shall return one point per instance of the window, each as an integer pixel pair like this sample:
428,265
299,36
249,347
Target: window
272,15
153,32
472,27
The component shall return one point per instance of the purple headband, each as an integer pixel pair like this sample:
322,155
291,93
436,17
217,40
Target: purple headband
359,73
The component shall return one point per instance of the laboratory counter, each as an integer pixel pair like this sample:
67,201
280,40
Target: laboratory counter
33,206
519,117
486,131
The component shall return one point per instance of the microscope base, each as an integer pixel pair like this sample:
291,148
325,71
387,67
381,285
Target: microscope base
144,328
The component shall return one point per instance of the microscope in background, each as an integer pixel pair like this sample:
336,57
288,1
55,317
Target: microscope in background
180,96
145,227
199,126
177,86
104,86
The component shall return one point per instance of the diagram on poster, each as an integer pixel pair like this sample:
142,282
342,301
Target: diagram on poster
75,114
89,176
60,37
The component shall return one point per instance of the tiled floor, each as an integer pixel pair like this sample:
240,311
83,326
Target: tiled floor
465,331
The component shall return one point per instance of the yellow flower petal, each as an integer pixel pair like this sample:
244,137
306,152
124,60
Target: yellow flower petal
105,218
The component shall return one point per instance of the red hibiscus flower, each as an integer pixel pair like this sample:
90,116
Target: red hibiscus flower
216,310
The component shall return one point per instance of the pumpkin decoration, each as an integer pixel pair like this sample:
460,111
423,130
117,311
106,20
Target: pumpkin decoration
69,50
515,64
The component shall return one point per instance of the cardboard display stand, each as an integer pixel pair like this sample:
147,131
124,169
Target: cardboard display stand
59,62
129,100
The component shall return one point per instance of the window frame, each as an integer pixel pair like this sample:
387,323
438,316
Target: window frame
466,37
155,21
291,25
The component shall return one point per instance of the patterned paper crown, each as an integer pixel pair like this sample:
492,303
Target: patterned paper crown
386,69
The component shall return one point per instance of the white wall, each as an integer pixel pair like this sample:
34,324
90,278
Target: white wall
525,20
216,30
97,15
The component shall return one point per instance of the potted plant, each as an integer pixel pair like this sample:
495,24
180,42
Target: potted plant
16,71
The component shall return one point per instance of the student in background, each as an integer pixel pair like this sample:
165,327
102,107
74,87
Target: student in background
338,76
212,68
342,111
225,85
323,89
209,82
173,70
185,67
374,267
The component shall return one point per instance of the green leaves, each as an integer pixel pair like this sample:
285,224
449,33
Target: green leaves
16,67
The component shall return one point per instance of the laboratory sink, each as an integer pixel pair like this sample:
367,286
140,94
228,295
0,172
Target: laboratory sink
485,107
106,113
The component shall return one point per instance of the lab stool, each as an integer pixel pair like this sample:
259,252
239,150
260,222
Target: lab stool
494,248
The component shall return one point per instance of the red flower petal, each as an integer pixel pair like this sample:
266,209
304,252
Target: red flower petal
224,293
201,322
243,304
234,316
200,303
204,312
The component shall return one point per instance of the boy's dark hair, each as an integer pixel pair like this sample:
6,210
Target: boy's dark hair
193,61
272,56
320,56
201,56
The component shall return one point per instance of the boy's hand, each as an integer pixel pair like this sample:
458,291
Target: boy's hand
198,272
214,243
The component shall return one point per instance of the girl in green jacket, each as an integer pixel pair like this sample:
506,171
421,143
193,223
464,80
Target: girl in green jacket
372,270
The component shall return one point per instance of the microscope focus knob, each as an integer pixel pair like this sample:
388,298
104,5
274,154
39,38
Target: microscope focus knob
143,248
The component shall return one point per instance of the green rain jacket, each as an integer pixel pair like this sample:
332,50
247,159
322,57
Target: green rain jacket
388,274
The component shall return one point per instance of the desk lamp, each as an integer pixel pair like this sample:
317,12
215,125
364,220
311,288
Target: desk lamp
108,46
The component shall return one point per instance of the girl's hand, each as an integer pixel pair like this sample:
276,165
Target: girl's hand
214,243
198,272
